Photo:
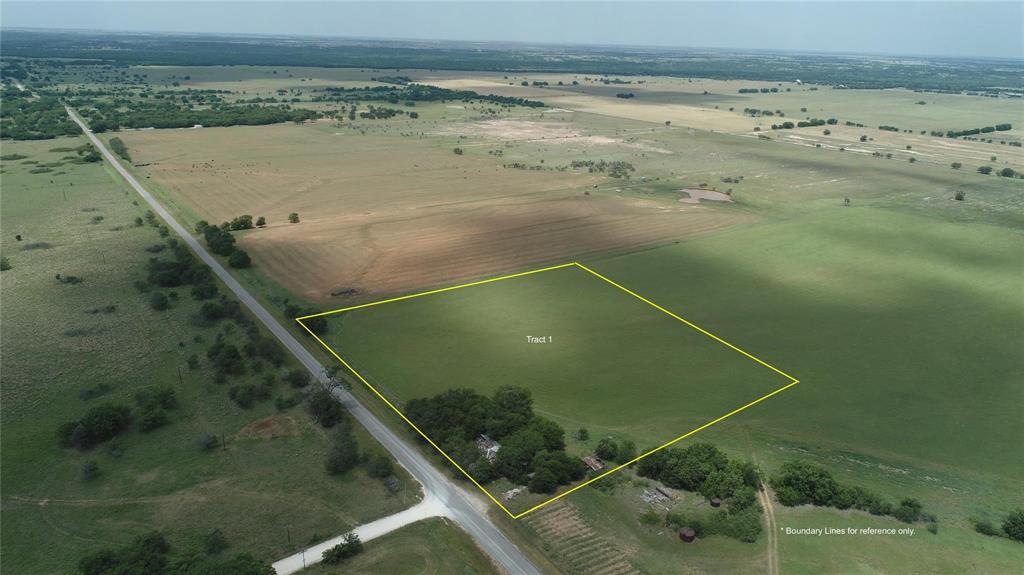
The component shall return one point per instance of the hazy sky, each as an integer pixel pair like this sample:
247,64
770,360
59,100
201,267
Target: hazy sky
929,28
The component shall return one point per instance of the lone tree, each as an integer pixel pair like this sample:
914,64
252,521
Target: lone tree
582,434
986,170
293,218
261,221
239,259
956,165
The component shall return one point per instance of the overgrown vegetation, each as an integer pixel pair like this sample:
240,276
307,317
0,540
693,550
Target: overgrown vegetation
532,448
704,469
802,483
152,554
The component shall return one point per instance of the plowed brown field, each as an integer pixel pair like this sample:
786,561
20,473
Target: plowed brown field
389,214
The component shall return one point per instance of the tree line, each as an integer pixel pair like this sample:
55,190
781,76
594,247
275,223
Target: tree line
422,93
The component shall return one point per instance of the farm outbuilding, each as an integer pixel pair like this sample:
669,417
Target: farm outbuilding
716,502
594,462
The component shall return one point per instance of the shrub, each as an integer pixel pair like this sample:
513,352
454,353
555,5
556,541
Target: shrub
90,470
986,170
343,451
349,547
297,378
582,434
5,264
207,442
283,403
239,259
379,465
153,418
986,528
607,449
293,218
214,542
908,511
1014,525
158,301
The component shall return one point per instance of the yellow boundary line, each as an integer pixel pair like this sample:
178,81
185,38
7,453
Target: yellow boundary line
793,380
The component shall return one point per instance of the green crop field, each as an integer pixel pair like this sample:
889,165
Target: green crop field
606,360
266,491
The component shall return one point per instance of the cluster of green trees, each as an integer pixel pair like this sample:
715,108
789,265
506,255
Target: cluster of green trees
105,117
118,146
381,113
803,483
152,554
815,122
99,424
532,448
1012,527
609,449
976,131
625,95
704,469
700,468
758,90
784,126
221,242
614,168
421,93
23,117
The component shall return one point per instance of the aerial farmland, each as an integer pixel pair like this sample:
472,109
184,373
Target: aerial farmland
635,319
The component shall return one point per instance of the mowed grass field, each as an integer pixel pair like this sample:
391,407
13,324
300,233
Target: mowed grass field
266,491
429,547
610,362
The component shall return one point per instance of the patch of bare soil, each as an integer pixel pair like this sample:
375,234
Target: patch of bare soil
270,427
695,195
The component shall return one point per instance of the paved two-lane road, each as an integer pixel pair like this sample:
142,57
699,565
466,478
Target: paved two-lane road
462,507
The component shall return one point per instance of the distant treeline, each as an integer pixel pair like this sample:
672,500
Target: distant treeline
103,117
421,93
940,74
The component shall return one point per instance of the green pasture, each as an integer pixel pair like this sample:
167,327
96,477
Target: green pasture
613,363
267,490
